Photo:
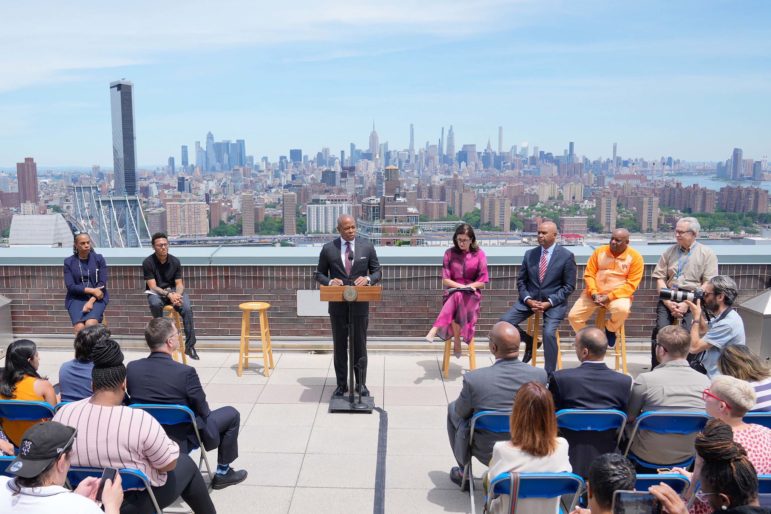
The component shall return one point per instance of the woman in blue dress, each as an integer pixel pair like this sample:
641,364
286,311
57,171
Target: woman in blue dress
85,275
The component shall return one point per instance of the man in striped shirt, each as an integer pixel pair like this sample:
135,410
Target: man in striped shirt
111,435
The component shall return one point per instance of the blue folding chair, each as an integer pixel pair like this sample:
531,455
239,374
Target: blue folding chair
534,485
177,415
60,405
594,420
131,480
759,418
25,410
491,421
5,461
667,422
676,481
764,490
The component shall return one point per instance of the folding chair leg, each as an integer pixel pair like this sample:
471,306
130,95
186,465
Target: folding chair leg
472,355
446,359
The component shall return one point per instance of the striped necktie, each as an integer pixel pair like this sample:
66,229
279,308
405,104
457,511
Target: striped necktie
542,266
347,257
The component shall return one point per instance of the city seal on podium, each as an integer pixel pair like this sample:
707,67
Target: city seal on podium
350,294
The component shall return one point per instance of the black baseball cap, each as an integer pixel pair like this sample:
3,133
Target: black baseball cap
41,444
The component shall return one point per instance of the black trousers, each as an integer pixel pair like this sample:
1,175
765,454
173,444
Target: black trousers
664,318
340,340
220,431
185,480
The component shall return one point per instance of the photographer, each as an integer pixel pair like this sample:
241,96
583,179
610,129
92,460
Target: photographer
724,326
684,266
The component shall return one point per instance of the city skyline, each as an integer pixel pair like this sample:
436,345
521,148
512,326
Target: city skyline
657,79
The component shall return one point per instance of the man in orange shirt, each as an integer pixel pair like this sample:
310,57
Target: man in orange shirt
612,275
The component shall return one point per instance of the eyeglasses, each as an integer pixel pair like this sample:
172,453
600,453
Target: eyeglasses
703,496
162,245
463,241
708,394
682,232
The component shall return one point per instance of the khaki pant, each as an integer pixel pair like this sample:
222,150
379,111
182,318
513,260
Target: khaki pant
584,308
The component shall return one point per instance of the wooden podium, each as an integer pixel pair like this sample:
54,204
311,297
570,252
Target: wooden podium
351,294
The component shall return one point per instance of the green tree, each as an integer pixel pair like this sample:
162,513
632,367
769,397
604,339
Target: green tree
473,218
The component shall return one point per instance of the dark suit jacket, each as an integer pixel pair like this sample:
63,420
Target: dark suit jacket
491,388
589,386
558,283
365,264
160,379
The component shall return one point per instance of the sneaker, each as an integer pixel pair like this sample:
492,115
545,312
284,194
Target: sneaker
232,477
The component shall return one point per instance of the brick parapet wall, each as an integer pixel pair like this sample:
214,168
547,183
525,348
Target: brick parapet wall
411,298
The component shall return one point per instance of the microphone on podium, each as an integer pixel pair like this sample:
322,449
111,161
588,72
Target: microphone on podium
350,259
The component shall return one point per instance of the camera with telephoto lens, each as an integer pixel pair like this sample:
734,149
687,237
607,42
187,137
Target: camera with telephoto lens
678,295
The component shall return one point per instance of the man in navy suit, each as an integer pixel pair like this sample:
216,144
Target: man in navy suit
592,385
349,260
158,378
546,278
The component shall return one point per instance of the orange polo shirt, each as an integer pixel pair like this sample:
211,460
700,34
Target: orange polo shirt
615,276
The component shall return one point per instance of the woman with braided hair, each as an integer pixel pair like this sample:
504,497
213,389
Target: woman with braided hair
729,481
110,434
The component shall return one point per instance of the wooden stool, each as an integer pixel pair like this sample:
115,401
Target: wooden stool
472,357
620,347
244,351
534,329
179,353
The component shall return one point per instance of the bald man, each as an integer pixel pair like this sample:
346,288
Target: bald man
490,388
349,260
546,279
612,275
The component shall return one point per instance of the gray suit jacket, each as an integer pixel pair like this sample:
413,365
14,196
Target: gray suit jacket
490,388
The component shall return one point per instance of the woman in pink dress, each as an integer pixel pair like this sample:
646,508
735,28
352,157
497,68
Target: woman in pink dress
464,273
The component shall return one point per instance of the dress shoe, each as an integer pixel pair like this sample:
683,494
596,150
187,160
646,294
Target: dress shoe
362,389
529,350
190,352
456,476
340,390
232,477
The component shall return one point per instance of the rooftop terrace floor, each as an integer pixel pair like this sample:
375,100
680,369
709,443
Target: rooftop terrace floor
302,459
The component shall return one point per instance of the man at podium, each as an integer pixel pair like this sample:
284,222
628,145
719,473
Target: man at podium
349,261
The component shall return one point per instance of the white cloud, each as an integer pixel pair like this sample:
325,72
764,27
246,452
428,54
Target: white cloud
43,41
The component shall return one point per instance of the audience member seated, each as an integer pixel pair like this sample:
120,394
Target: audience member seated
724,327
490,388
608,473
40,472
728,399
673,385
592,385
729,481
534,446
160,379
612,275
738,361
75,375
21,381
6,448
110,434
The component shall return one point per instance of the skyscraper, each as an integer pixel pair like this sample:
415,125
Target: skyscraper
26,175
289,213
374,144
500,140
184,160
615,147
451,144
211,154
571,152
247,214
123,138
172,166
296,155
441,146
412,144
737,167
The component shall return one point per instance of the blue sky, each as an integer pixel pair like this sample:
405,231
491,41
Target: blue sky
685,78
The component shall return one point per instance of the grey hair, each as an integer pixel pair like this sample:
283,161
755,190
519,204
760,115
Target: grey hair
726,286
693,224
